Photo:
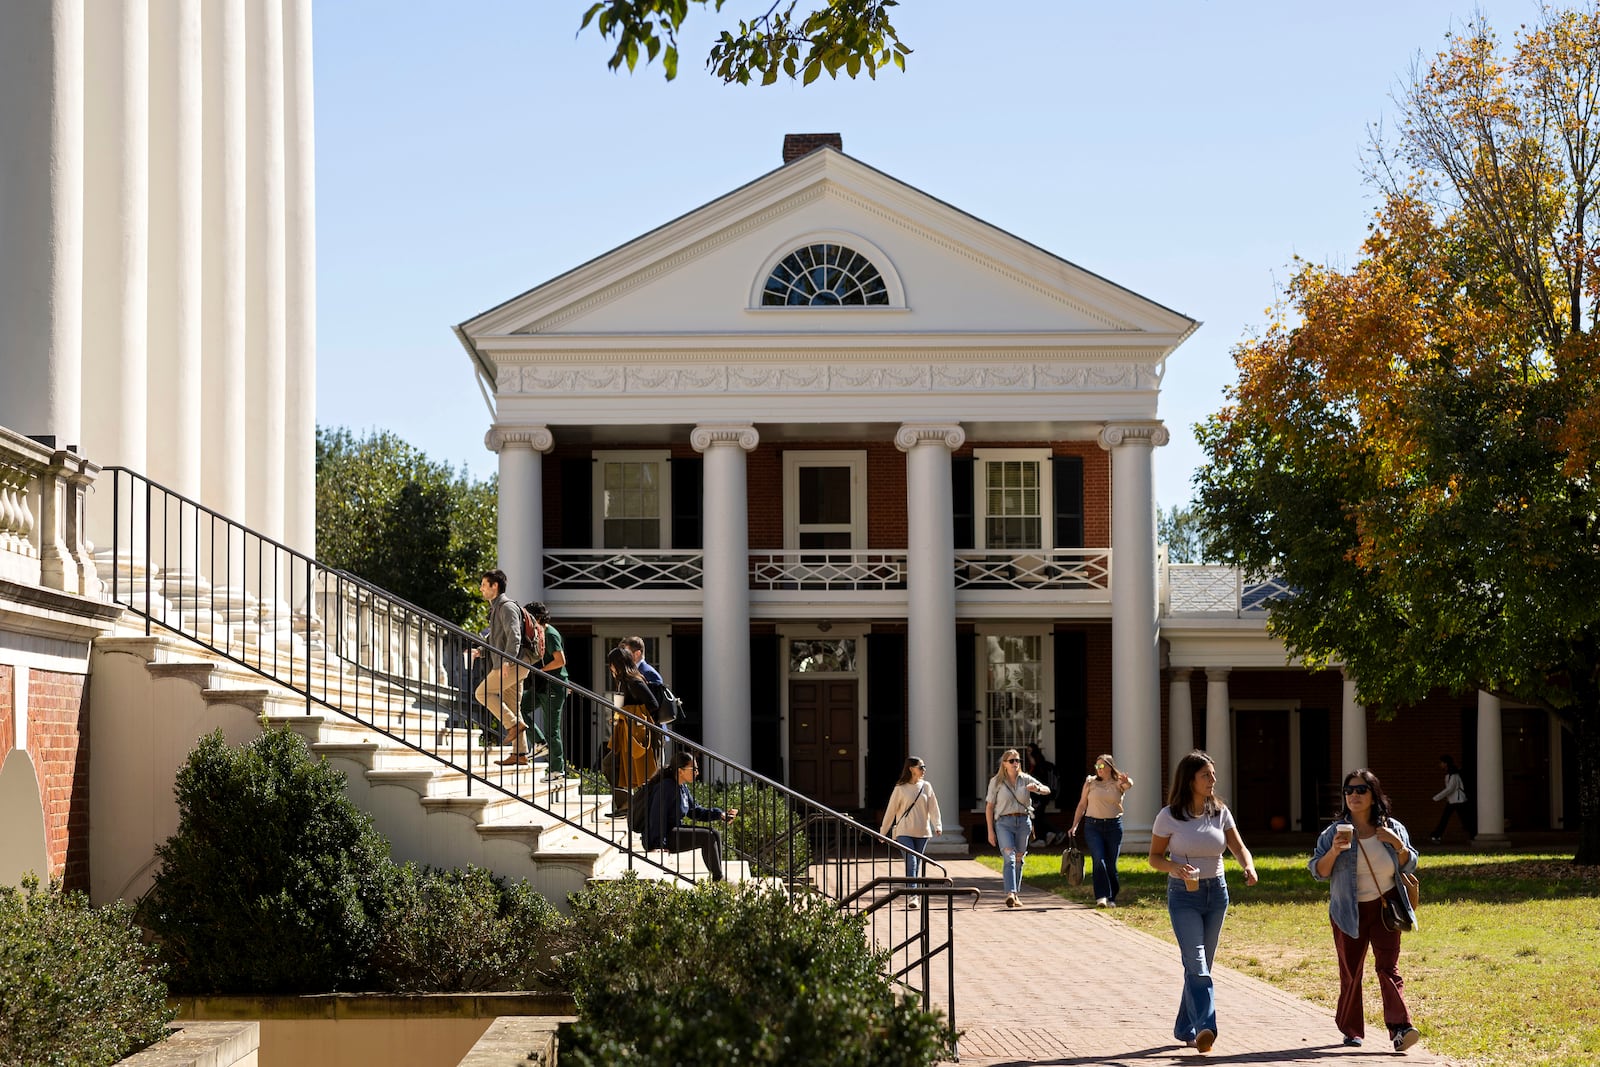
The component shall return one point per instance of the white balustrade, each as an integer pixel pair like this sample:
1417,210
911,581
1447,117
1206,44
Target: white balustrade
1062,569
42,493
1218,589
829,570
629,569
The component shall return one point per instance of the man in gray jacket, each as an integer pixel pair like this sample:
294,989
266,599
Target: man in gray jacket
500,687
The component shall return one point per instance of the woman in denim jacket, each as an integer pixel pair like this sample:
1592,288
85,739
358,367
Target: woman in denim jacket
1362,862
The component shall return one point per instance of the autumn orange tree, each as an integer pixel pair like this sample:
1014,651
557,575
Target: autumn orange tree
1411,442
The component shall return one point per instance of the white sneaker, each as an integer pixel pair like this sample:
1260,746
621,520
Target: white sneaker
912,905
1101,902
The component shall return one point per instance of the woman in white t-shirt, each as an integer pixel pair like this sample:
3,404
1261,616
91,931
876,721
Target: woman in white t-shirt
1186,842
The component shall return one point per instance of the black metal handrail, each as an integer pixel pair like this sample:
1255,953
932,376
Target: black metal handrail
343,644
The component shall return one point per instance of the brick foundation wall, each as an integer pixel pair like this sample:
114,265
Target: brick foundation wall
58,738
8,728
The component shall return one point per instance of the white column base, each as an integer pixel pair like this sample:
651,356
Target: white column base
952,843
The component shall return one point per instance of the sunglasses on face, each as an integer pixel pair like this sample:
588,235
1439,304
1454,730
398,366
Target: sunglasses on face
1013,761
1359,790
1099,766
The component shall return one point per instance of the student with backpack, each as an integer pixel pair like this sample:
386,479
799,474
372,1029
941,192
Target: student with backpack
498,690
545,696
670,803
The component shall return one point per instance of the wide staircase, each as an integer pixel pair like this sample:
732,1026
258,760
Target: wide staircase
240,625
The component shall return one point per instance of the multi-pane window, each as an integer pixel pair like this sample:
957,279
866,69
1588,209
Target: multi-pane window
1013,693
1013,504
819,655
823,507
824,275
632,501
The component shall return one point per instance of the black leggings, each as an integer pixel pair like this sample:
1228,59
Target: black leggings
1463,813
685,838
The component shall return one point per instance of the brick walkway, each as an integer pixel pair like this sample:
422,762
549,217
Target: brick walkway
1099,992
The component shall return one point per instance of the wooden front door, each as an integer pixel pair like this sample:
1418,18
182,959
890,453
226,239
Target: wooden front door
1261,769
823,745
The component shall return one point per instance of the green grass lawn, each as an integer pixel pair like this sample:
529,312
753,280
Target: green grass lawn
1504,968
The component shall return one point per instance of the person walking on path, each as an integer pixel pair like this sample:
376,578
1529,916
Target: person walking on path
1008,809
1454,795
498,690
1100,813
547,693
1186,841
1356,887
912,816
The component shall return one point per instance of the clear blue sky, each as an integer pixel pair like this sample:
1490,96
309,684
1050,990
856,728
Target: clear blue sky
1186,149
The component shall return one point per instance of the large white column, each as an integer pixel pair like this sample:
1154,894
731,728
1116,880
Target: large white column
222,257
1491,772
726,630
1352,729
520,512
1180,722
300,362
1219,730
1135,663
265,294
175,401
41,218
931,696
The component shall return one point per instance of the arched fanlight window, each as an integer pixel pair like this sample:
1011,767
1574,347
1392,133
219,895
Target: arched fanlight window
824,275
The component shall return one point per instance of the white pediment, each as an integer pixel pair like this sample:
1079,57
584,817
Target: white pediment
693,282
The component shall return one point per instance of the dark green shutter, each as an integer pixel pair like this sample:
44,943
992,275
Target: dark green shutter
688,476
1067,472
1072,705
968,751
886,715
961,471
577,503
766,744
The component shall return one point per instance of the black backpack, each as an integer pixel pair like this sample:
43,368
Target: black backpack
639,803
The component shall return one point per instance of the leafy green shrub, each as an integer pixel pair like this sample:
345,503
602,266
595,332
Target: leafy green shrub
275,881
768,832
466,931
77,986
718,974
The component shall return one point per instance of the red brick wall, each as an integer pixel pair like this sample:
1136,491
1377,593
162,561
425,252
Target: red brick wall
8,729
58,738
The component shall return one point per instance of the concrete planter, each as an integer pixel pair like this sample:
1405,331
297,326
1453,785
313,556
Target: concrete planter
387,1030
202,1044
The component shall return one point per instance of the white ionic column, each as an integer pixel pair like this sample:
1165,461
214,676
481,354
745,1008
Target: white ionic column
1180,722
1135,662
300,361
175,398
1352,729
1491,772
931,696
41,219
726,629
520,512
265,280
1219,730
223,470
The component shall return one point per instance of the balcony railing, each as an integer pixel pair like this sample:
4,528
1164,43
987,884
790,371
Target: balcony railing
1214,589
1063,569
1081,570
42,540
830,570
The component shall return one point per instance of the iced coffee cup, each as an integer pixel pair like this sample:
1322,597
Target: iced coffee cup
1191,882
1343,832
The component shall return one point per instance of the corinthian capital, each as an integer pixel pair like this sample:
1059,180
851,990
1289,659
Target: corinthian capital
537,438
1114,435
744,435
912,434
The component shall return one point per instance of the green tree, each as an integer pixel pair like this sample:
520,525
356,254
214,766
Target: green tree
823,38
1183,531
1410,444
411,526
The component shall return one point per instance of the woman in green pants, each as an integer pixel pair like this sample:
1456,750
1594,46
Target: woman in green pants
546,690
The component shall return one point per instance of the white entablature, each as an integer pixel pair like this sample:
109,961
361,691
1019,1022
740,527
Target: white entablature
975,322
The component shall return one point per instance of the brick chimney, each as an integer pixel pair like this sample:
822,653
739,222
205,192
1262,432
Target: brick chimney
796,145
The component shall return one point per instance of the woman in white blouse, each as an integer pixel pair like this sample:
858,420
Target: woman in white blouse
912,816
1009,811
1186,841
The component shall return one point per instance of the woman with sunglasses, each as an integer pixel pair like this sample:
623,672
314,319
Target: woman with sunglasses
1100,813
912,817
1009,811
1186,841
1362,855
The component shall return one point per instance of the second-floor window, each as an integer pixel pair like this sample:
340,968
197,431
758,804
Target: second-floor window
1013,500
825,500
632,500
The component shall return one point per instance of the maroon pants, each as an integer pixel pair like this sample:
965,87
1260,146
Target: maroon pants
1352,953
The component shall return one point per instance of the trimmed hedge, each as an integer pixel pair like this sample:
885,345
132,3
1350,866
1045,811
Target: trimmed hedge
718,974
78,988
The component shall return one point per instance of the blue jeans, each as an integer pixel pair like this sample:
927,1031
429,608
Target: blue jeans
1104,838
918,847
1197,924
1011,833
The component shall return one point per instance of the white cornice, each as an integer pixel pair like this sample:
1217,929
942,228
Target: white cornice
805,344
